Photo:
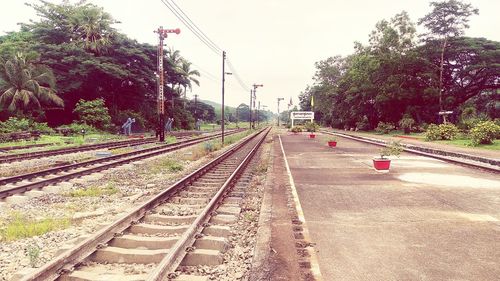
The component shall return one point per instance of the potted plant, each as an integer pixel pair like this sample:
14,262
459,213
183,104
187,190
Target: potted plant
332,142
311,127
382,163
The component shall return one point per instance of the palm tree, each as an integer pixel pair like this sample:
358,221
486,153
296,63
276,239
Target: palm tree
189,76
93,26
24,85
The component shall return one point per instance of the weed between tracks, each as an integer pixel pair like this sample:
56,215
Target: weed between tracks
168,164
18,226
94,191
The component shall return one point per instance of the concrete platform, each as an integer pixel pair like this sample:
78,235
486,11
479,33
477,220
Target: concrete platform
424,220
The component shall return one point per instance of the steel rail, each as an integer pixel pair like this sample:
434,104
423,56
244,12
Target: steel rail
414,151
47,153
67,261
178,251
144,153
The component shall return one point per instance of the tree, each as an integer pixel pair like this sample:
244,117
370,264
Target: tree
24,85
93,113
447,19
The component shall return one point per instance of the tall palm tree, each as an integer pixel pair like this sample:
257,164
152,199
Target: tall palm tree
24,85
189,75
93,27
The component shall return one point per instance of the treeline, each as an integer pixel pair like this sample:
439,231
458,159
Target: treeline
74,53
400,75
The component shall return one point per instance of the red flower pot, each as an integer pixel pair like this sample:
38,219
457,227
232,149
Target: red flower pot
332,143
381,164
312,136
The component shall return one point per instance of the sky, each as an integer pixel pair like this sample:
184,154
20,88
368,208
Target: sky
269,42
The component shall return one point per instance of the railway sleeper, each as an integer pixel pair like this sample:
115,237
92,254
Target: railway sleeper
201,188
203,257
223,219
143,242
85,275
145,228
126,255
169,219
189,201
195,194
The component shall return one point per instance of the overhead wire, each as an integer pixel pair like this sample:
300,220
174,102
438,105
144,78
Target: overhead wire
184,18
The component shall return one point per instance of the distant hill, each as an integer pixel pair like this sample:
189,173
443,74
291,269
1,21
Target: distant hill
217,107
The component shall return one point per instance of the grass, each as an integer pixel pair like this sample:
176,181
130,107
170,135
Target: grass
94,191
460,141
170,139
63,141
19,227
168,164
232,125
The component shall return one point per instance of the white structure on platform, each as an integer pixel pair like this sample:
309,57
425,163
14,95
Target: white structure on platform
301,115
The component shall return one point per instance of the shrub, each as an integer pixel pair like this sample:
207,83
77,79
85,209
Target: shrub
311,126
14,124
384,128
393,148
406,123
76,128
441,132
484,133
93,113
363,124
297,129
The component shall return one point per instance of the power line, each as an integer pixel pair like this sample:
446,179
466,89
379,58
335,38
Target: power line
197,28
237,76
179,16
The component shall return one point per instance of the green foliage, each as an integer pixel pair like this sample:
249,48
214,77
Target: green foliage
484,133
311,127
93,113
384,128
441,132
393,148
33,252
406,123
364,124
94,191
25,85
14,124
19,227
170,165
297,129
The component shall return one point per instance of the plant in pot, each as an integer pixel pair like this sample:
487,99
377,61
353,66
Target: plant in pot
332,142
296,129
311,127
382,163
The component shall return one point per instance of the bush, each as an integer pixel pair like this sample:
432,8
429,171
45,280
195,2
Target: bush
364,124
14,124
441,132
384,128
76,128
93,113
406,123
394,148
311,126
484,133
297,129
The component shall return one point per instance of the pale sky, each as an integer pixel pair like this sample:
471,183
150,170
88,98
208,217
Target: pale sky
270,42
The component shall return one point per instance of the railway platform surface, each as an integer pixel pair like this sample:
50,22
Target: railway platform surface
424,220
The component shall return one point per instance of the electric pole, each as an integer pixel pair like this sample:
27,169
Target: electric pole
258,112
250,111
223,80
279,99
195,107
255,86
162,33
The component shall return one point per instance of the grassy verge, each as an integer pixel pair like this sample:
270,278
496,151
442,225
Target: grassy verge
62,141
167,164
18,227
94,191
461,141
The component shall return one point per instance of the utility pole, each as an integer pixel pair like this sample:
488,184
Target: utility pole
250,111
255,86
258,112
195,107
279,99
223,80
162,33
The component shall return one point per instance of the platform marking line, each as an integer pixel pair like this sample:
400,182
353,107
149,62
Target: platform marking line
300,213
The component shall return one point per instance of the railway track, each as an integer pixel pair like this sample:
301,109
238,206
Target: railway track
61,151
160,237
482,164
26,182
